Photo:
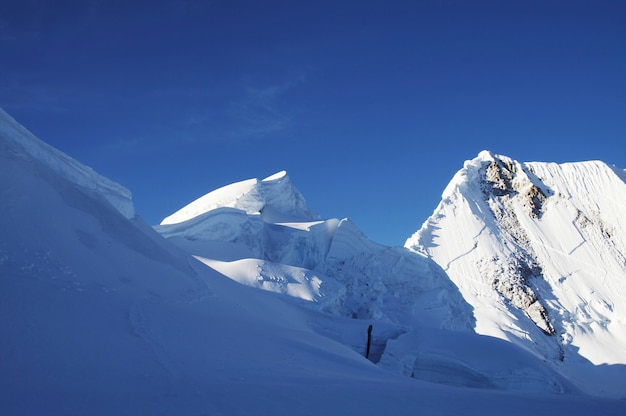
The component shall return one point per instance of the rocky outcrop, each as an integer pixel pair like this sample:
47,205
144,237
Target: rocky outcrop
502,181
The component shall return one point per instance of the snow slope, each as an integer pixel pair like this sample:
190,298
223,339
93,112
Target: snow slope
538,250
100,315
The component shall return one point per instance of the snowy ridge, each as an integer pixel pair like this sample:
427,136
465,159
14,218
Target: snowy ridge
538,250
273,197
16,138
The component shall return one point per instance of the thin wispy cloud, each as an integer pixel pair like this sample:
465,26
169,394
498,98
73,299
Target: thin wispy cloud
258,113
255,112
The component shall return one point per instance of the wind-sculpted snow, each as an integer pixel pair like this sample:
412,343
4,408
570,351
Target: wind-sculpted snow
16,139
538,249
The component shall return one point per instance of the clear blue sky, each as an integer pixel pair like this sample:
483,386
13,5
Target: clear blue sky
371,106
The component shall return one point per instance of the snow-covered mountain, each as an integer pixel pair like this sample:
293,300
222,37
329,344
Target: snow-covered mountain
100,315
539,251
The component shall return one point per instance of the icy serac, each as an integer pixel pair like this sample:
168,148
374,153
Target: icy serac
538,249
261,233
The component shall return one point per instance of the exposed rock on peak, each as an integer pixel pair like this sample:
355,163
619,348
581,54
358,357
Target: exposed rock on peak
506,179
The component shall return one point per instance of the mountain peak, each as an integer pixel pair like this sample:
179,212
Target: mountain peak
486,155
274,198
526,244
278,176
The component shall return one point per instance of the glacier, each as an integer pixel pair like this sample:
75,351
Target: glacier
100,314
330,262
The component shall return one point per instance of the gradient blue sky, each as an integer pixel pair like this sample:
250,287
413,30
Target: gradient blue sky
371,106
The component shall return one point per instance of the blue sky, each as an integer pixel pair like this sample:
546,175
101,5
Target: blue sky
370,106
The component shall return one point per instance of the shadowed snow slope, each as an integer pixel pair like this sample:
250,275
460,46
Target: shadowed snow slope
538,249
100,315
